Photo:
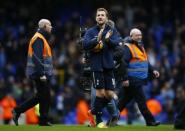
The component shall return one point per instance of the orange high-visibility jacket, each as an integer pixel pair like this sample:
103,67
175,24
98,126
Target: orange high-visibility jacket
138,65
47,57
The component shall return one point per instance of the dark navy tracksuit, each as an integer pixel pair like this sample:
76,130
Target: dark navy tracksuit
102,64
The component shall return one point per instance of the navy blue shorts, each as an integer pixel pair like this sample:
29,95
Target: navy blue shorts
104,80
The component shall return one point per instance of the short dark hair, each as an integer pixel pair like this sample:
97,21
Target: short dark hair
103,9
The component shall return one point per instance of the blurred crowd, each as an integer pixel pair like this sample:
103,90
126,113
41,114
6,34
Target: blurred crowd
162,24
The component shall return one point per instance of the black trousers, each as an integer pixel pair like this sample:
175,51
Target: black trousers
130,106
180,118
135,93
41,97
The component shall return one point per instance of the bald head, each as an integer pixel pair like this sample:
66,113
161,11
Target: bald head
45,24
136,34
135,31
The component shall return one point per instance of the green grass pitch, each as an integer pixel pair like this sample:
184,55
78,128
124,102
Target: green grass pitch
84,128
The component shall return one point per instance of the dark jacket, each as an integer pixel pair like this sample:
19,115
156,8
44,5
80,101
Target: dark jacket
126,58
38,61
103,59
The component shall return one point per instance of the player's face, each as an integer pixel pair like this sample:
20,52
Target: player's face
101,17
137,37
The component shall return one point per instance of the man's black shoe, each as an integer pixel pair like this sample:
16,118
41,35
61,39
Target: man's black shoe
153,123
45,124
112,122
15,117
179,126
108,122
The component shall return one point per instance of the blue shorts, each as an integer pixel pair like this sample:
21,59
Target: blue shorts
104,80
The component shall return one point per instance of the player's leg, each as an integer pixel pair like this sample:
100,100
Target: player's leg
111,96
100,101
93,96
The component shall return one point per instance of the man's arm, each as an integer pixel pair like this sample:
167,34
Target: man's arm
126,59
89,41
